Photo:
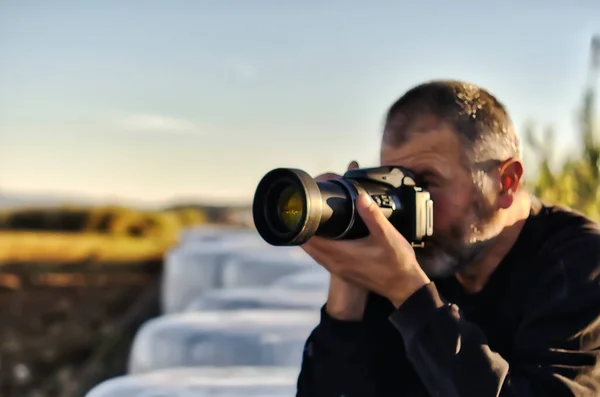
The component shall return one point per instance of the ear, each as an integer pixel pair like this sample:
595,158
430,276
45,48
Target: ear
511,172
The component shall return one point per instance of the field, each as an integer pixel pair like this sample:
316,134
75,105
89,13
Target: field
75,284
97,234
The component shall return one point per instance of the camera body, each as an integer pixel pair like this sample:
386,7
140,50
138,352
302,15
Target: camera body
408,207
290,206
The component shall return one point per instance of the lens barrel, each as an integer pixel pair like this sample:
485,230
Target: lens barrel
290,207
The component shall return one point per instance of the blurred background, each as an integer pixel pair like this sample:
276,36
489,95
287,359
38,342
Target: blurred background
133,134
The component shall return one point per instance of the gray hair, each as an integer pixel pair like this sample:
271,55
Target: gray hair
480,120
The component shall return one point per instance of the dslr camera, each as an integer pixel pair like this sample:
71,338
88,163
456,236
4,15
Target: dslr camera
290,207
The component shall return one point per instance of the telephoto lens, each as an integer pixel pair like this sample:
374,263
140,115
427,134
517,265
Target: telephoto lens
290,207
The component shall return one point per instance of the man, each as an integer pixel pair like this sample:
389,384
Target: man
505,299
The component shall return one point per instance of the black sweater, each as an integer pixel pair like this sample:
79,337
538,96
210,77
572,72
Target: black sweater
534,330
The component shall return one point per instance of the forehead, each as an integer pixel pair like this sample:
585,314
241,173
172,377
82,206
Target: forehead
429,145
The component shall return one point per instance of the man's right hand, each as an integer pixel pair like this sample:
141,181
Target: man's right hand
345,301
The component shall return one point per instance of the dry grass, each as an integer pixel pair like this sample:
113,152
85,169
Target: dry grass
52,247
69,234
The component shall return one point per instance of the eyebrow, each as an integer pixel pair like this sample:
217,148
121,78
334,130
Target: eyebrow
426,174
434,174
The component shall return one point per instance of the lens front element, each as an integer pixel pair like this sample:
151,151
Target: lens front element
289,208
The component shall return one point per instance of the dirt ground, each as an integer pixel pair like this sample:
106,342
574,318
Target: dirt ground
61,341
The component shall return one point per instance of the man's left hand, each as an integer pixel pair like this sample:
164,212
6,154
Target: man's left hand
383,262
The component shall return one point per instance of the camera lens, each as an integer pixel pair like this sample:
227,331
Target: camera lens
290,207
287,207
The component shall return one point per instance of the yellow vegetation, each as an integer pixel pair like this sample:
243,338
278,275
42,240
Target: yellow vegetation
97,234
576,183
82,247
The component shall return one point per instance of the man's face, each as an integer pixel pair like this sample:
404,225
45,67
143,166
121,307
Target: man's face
463,213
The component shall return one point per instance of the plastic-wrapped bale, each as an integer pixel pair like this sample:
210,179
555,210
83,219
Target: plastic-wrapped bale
255,267
222,338
206,233
313,279
258,298
203,382
195,268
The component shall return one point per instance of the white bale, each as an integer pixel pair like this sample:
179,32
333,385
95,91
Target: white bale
316,278
255,267
203,382
258,298
191,270
222,338
204,233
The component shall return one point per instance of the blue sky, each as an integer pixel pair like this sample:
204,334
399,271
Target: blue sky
152,101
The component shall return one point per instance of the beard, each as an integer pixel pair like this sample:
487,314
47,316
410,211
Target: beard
443,259
460,247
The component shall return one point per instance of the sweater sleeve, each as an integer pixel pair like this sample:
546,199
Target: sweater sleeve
556,349
336,360
357,358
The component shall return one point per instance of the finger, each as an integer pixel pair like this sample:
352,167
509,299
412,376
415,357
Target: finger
330,175
318,255
314,243
371,215
320,244
327,177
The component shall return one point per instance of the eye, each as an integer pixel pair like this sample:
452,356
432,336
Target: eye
425,181
428,179
428,184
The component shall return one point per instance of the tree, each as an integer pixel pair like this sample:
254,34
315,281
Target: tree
577,182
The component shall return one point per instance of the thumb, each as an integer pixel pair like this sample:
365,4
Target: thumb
371,215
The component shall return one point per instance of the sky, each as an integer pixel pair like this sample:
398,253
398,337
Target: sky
154,101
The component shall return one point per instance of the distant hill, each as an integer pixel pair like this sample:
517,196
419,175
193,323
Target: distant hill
234,214
213,210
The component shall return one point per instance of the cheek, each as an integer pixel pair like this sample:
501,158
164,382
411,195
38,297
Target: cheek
449,210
